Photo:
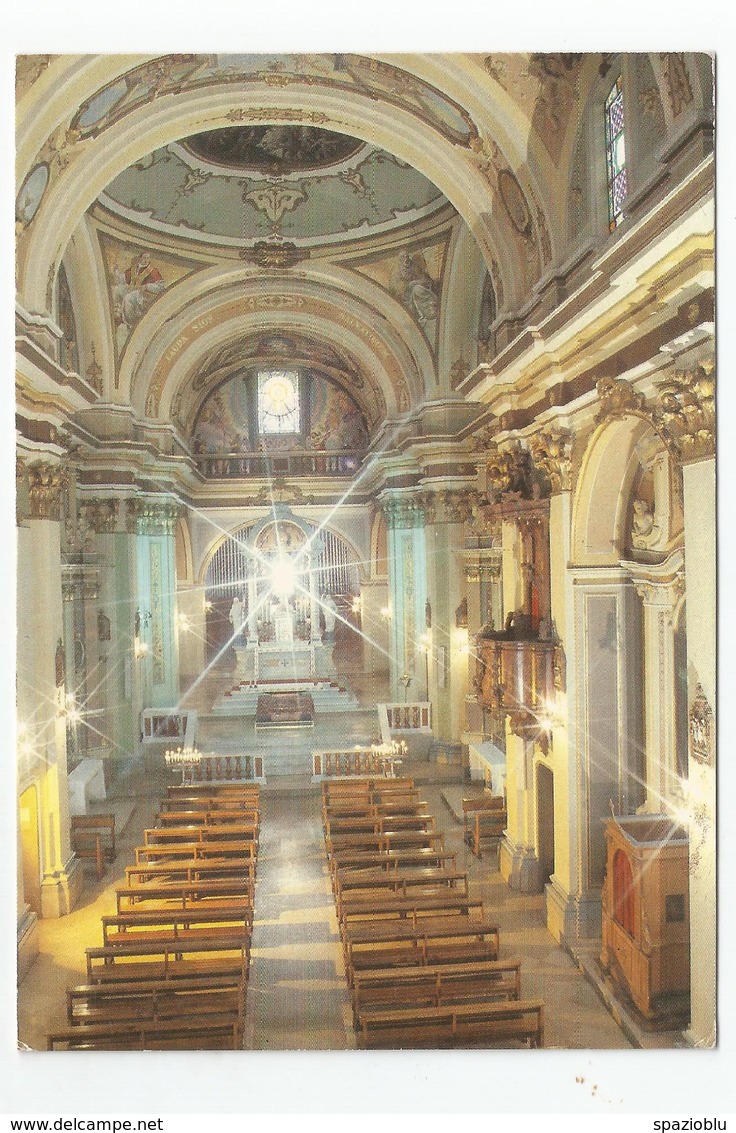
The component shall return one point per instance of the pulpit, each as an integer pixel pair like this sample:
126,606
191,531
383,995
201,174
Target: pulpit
646,930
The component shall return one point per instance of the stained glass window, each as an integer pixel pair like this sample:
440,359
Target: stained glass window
278,401
615,154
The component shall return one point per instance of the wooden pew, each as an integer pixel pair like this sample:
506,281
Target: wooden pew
436,985
391,861
484,817
89,845
394,839
196,851
184,804
378,824
84,825
204,869
155,1000
161,835
333,788
221,1032
373,881
207,817
461,1025
185,894
175,959
351,910
339,808
149,925
434,940
230,791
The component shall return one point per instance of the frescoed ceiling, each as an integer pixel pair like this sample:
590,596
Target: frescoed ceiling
247,183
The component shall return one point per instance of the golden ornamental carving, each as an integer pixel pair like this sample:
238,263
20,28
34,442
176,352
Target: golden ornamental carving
102,515
45,484
509,472
552,452
618,399
701,731
686,408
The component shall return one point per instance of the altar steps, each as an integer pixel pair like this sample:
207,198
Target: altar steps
327,696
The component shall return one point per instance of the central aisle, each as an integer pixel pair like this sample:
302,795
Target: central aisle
297,994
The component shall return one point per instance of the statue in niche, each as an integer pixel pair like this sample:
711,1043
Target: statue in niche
644,529
103,626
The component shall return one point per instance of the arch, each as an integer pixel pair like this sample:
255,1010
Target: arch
602,492
90,163
215,307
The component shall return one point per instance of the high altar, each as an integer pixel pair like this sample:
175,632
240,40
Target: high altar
281,613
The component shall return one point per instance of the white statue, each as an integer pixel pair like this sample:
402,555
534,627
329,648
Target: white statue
284,624
236,616
329,609
644,530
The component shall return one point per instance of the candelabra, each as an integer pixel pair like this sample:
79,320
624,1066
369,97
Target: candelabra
389,756
185,759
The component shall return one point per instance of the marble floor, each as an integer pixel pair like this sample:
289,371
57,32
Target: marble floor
297,997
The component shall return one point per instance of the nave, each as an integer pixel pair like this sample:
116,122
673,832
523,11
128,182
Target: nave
297,996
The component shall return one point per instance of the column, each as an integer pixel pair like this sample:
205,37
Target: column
699,482
659,590
408,590
42,686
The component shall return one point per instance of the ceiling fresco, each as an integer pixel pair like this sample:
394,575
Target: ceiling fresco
172,74
265,188
272,149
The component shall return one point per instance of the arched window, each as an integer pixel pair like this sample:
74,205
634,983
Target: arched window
623,892
278,401
615,154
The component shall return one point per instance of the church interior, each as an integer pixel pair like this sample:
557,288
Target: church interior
366,513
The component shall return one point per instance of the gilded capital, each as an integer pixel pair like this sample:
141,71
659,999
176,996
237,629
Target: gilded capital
102,515
45,483
686,408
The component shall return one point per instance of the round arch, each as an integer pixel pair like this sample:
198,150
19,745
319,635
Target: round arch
89,164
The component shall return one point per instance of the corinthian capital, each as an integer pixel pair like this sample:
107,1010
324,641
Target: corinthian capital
45,483
687,410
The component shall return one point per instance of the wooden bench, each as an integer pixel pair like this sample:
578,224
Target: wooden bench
207,817
221,1032
333,788
394,839
372,881
412,908
155,1000
378,824
84,824
176,959
339,808
390,861
185,894
93,839
436,985
434,940
123,929
460,1025
196,851
187,802
230,791
162,835
204,869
